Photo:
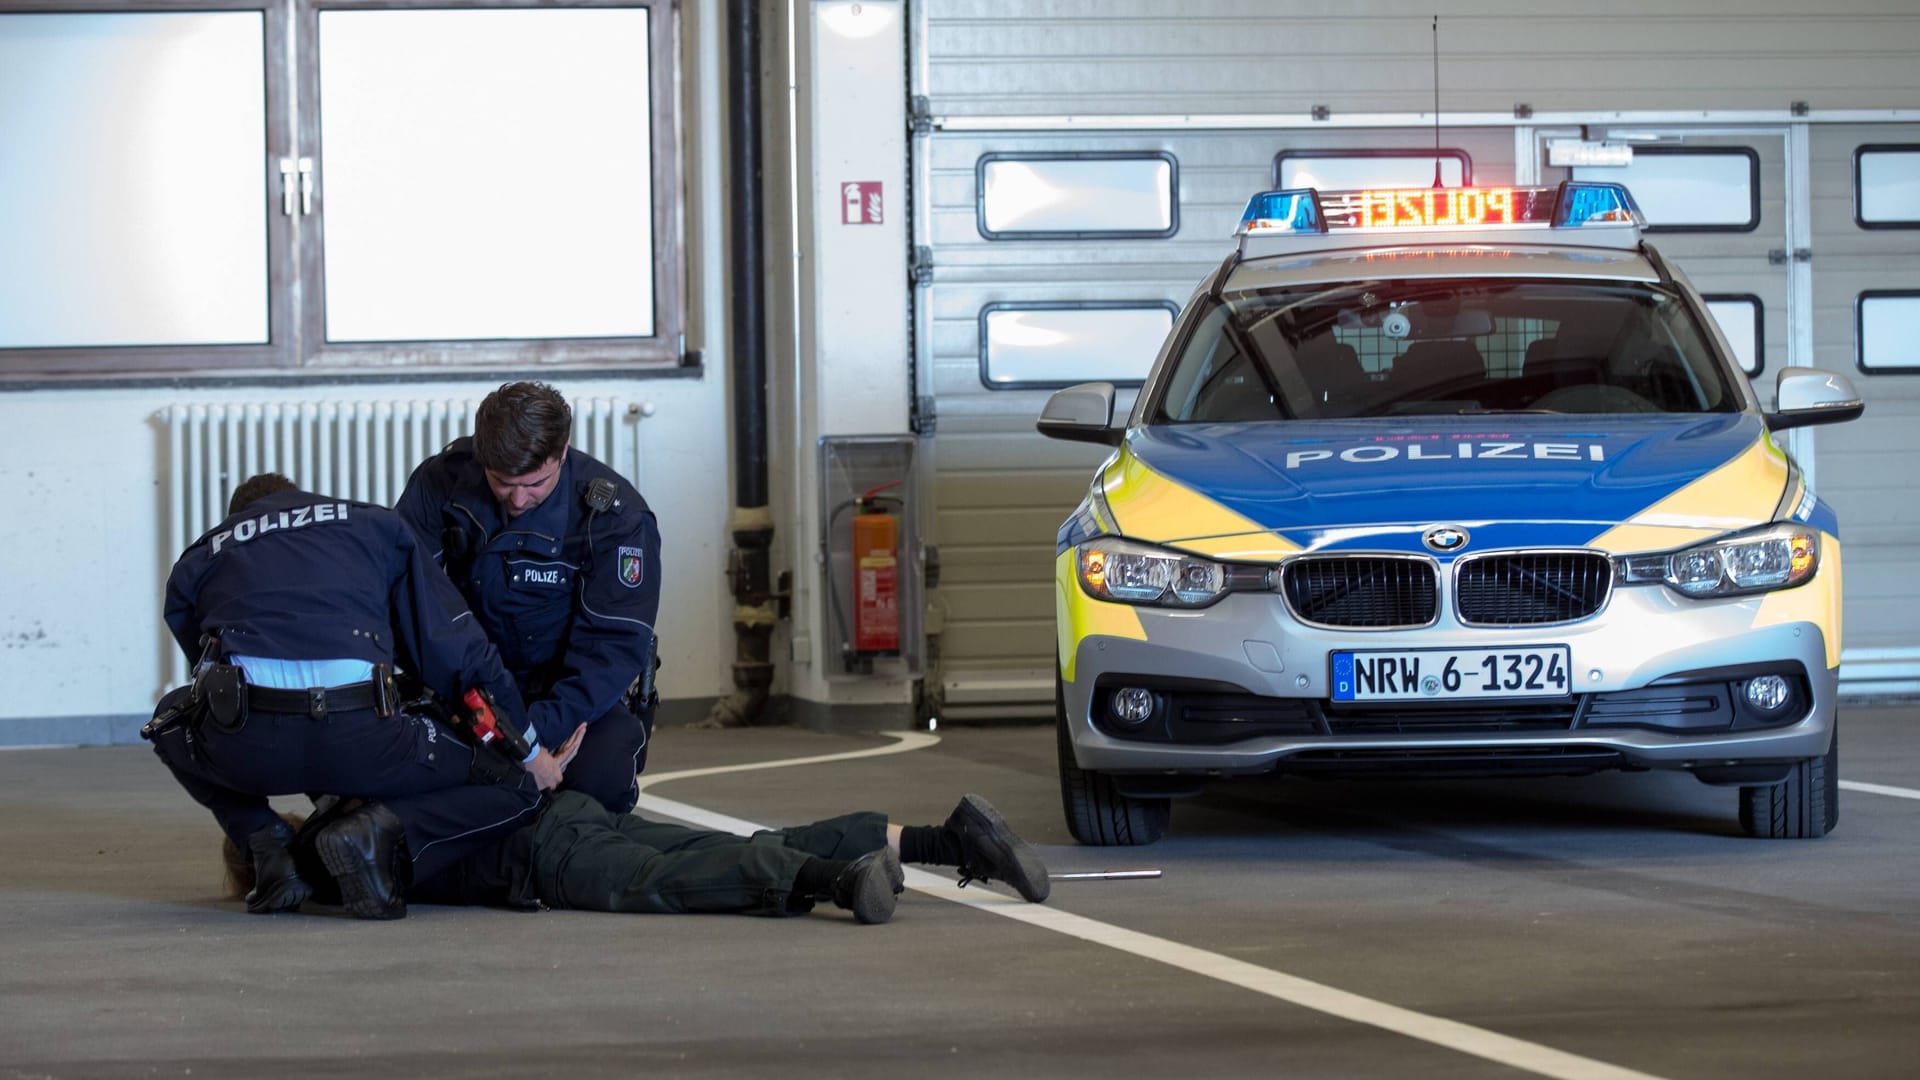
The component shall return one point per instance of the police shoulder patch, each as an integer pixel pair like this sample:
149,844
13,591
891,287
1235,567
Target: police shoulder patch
633,566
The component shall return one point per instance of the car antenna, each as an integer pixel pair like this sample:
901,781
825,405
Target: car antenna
1436,101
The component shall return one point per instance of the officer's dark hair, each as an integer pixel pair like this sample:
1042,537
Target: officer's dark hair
257,487
520,427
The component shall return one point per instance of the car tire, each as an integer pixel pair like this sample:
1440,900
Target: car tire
1097,813
1804,807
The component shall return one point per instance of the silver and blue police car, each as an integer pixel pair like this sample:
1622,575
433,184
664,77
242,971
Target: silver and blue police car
1447,482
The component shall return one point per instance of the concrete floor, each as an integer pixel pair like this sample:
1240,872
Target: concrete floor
1612,925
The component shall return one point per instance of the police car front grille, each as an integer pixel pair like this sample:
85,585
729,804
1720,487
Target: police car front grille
1532,588
1361,591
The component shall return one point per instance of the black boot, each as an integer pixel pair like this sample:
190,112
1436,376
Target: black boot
277,884
366,852
991,851
868,885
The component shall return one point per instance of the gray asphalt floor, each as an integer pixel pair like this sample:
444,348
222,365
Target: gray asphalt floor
1615,925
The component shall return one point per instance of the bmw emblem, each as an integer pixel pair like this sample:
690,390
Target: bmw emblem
1444,538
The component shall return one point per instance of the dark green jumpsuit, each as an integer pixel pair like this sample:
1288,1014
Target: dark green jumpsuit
577,855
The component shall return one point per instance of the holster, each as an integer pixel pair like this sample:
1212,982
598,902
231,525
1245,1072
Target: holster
178,707
221,690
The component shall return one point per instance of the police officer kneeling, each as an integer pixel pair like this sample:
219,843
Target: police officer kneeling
296,607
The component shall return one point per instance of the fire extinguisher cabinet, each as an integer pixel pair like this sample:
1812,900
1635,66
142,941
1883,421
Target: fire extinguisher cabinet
872,562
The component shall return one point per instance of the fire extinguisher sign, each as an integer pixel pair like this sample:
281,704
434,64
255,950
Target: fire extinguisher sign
860,202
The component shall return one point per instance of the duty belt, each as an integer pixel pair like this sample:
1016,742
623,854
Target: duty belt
315,702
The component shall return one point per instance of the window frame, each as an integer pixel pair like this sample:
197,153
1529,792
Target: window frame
1172,309
296,345
1860,330
1753,185
137,361
1001,235
1862,151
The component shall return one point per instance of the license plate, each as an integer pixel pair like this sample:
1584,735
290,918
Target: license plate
1452,674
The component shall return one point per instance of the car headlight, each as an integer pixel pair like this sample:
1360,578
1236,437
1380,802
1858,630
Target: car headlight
1775,557
1132,573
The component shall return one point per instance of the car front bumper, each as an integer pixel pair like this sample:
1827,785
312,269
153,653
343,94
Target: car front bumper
1249,644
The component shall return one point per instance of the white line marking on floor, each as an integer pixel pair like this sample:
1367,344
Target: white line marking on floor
1880,789
1465,1038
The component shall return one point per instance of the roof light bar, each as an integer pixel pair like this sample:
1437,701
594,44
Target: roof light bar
1572,204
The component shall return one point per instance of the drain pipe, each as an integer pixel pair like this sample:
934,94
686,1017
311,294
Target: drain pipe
749,566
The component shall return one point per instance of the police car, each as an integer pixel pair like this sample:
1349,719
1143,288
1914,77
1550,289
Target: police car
1447,482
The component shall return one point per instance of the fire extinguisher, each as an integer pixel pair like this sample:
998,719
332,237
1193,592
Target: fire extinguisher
876,574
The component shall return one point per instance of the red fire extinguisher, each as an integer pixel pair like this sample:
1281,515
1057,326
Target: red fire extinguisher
876,575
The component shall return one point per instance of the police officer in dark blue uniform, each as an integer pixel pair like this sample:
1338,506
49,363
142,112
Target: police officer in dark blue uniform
560,559
296,607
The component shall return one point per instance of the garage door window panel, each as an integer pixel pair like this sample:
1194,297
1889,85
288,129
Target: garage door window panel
1886,187
1689,189
1887,327
1032,346
1077,196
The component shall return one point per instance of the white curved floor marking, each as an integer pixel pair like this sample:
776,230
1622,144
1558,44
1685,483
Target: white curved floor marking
1465,1038
1880,789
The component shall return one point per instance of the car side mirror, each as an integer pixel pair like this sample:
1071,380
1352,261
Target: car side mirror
1082,413
1807,396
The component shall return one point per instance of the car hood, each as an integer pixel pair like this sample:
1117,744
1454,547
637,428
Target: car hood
1628,483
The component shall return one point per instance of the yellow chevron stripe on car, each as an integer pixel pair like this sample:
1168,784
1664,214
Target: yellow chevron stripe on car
1148,506
1741,493
1816,602
1078,616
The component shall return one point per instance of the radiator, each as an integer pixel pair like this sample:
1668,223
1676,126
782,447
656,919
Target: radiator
353,450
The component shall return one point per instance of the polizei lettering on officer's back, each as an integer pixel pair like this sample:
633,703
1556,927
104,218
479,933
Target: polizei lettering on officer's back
1460,451
298,518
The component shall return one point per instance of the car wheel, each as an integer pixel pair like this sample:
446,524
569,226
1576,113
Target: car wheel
1805,806
1097,813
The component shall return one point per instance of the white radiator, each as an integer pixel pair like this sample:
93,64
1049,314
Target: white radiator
354,450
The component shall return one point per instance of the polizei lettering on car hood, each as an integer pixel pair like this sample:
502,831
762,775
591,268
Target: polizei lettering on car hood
1515,481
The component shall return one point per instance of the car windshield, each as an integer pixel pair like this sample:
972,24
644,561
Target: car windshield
1459,346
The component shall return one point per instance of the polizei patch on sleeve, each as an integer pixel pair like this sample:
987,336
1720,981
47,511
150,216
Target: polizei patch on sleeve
633,566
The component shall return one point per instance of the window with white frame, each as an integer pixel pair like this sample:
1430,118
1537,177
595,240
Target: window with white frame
1887,331
1741,322
1077,196
1886,187
304,184
1025,345
1689,188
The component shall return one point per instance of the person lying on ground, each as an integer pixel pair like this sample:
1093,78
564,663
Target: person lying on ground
580,855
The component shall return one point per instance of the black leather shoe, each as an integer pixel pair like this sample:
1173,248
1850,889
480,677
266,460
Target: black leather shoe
991,851
867,886
366,852
327,809
277,884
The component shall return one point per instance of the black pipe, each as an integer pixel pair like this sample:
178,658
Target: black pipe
747,263
750,565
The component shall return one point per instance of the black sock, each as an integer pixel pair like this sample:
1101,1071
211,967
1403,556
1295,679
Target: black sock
816,875
929,845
